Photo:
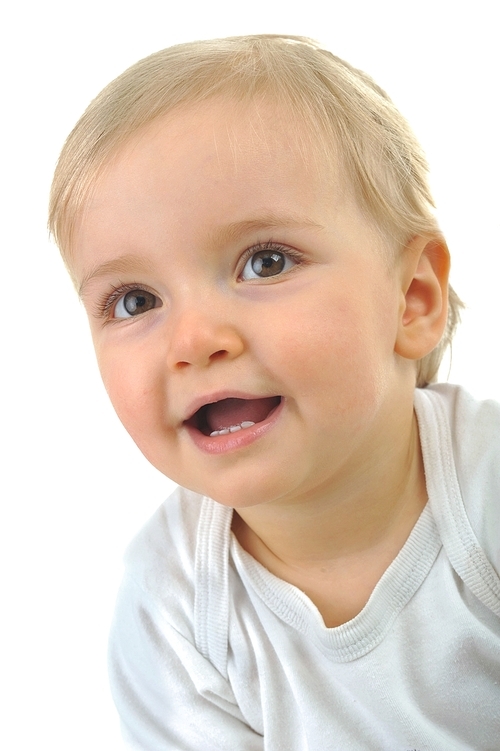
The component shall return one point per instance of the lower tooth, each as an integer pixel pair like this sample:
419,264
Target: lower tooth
247,424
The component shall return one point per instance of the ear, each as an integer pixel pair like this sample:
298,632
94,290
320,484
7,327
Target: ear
425,266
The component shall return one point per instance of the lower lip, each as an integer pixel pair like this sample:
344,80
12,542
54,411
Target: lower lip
222,444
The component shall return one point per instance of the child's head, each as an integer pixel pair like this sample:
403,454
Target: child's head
347,119
250,229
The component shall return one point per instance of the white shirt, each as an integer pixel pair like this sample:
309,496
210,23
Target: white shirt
211,652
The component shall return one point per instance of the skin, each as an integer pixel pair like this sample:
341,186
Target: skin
327,495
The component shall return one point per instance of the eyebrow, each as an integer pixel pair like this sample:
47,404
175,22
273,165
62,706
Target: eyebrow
232,232
128,263
223,235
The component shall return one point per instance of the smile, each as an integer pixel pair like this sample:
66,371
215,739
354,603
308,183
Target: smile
231,423
230,415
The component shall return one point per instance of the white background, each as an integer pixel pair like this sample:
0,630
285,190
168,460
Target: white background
76,488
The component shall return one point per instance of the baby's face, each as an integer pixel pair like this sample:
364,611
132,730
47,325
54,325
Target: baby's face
243,316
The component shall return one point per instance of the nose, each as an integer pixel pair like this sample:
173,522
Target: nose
199,339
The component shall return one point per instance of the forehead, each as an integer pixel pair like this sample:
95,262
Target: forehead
232,136
201,167
230,139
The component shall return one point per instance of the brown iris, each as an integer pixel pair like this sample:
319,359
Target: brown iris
266,263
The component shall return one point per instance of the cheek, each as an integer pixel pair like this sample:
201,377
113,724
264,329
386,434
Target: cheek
131,391
339,349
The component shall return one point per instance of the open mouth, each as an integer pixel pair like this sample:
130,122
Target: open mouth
231,415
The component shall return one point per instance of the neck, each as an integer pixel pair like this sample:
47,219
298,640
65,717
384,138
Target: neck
368,511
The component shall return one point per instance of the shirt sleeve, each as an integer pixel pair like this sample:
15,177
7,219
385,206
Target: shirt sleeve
169,696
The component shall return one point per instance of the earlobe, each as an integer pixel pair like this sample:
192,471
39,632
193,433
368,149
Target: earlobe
424,301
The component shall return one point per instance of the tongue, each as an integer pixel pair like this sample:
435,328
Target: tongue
228,412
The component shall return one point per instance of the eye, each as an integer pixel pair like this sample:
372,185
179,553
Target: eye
134,303
267,262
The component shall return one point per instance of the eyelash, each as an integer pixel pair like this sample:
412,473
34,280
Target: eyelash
108,300
270,245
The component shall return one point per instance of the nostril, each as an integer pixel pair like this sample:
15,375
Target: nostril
219,354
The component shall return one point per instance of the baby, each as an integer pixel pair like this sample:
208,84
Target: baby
249,226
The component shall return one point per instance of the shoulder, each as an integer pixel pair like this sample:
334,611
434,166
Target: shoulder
462,409
462,435
473,427
167,662
162,563
166,544
174,569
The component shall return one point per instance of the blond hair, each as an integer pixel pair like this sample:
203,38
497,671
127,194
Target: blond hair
341,105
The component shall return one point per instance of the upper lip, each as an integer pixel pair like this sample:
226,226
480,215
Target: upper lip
218,396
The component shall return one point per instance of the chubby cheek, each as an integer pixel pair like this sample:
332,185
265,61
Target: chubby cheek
338,352
134,396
